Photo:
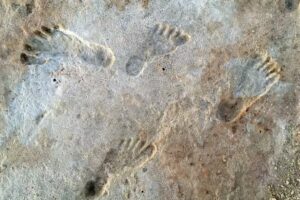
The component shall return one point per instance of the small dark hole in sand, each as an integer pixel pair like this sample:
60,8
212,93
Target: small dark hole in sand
289,4
90,189
29,8
23,58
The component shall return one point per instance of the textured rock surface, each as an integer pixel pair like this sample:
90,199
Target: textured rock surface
150,99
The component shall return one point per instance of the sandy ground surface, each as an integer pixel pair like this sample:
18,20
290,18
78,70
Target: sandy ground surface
149,99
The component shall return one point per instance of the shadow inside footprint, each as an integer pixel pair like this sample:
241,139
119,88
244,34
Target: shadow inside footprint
229,109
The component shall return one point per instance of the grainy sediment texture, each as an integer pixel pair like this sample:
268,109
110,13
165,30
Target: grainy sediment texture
150,99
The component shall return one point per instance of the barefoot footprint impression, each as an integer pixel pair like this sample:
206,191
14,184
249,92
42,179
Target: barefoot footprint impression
44,52
251,79
56,42
163,39
130,155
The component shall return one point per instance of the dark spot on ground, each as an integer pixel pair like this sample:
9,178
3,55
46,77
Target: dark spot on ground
90,189
288,5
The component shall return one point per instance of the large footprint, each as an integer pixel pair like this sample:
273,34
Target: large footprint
130,155
51,43
251,79
163,39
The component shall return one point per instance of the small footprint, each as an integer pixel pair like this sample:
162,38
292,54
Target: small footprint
51,43
163,39
130,155
251,79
